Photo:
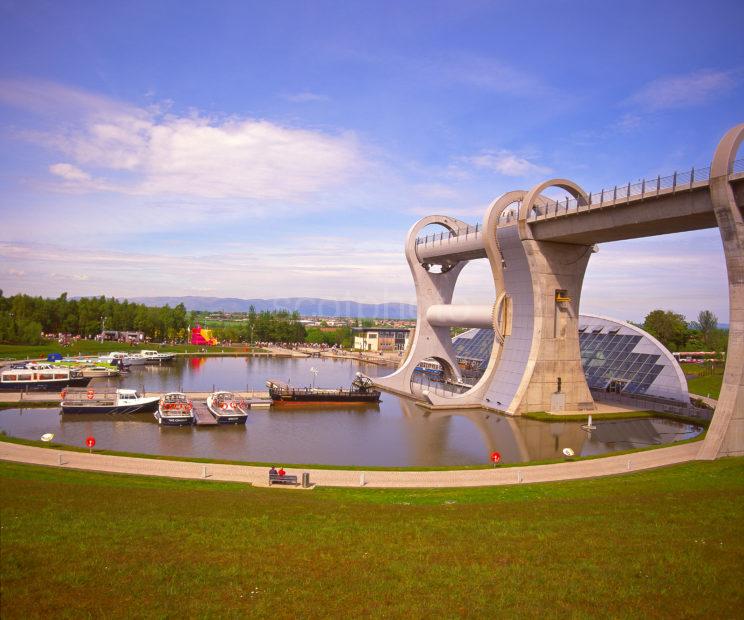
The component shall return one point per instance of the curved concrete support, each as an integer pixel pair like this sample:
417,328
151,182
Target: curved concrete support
725,436
543,349
531,201
501,316
431,289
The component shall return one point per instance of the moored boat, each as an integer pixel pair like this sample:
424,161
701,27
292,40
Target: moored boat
127,359
155,357
175,409
100,371
361,392
41,377
227,408
107,400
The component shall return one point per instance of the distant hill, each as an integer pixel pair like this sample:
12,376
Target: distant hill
306,306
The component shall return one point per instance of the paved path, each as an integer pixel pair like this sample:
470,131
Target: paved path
258,476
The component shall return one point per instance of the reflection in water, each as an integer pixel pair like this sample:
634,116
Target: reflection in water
396,433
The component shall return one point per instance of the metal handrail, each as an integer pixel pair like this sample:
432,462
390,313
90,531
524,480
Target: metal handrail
458,232
678,181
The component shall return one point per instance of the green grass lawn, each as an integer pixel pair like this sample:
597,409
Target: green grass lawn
93,347
666,543
706,385
705,381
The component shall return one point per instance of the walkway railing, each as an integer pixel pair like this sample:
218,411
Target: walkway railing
646,188
468,231
441,388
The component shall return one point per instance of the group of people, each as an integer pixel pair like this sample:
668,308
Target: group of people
273,472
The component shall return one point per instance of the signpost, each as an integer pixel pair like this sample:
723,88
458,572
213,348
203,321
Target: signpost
495,458
90,442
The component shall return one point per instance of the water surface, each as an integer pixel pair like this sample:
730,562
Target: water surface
394,433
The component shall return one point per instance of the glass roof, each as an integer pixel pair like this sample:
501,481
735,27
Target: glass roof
606,355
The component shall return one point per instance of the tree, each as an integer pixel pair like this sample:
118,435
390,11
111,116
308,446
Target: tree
668,327
707,325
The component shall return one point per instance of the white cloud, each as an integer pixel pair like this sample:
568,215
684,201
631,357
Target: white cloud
683,90
313,266
507,163
119,148
69,172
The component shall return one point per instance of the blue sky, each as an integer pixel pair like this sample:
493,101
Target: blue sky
270,149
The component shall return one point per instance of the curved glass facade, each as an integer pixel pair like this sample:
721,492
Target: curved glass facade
616,356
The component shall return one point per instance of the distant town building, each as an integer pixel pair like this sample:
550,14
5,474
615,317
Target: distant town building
380,338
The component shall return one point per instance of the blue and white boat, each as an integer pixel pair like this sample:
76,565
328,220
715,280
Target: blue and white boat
175,409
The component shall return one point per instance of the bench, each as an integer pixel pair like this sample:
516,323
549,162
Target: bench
285,479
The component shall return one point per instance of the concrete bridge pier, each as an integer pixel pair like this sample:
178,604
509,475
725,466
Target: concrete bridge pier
540,365
435,286
726,433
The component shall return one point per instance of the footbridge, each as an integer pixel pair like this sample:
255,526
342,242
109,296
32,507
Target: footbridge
538,249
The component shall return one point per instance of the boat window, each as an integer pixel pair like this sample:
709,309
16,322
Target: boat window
25,377
60,375
46,376
10,377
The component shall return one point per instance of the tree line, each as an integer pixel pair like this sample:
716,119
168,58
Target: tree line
23,318
676,334
264,326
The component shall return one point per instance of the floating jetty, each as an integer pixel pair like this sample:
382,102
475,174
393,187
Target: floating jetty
202,415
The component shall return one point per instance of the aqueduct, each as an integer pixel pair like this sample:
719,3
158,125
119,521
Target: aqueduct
538,250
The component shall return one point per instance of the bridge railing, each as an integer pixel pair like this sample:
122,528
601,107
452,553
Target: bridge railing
624,193
467,232
653,186
440,388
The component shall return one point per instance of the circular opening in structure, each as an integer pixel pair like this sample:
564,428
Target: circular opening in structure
510,213
433,243
435,375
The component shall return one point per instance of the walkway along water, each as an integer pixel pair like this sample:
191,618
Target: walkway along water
258,476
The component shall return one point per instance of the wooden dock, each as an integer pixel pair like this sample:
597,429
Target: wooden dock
203,416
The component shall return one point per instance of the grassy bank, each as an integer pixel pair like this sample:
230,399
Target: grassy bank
543,416
704,379
666,543
622,415
93,347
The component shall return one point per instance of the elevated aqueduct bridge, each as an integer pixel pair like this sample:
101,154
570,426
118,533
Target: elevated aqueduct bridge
538,250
